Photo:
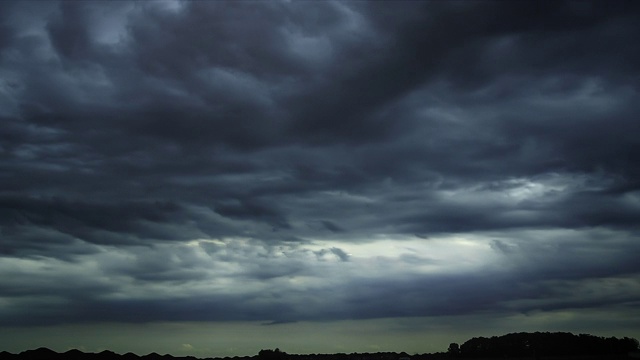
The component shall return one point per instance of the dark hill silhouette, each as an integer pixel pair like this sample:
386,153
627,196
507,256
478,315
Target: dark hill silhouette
5,355
41,353
538,345
73,354
129,356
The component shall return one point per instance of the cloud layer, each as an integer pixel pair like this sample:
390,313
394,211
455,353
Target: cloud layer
279,162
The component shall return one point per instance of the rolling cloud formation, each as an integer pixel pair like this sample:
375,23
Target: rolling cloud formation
290,161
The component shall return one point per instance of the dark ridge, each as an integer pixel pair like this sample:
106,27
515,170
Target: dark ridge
74,354
129,356
5,355
41,353
535,346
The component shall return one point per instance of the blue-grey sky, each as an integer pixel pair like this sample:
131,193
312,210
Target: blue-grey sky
213,178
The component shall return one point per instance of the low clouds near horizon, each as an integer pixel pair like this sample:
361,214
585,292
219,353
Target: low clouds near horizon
282,162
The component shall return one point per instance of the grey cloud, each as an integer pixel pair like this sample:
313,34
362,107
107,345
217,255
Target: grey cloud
340,254
69,33
331,226
502,247
251,209
75,216
131,126
539,275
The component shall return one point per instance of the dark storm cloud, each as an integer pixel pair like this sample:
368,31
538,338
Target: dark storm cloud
86,220
131,130
331,226
536,276
251,209
68,33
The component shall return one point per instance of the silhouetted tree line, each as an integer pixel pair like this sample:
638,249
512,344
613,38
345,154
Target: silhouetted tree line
517,345
272,355
544,344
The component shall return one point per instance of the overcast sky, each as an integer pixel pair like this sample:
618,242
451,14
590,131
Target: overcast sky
213,178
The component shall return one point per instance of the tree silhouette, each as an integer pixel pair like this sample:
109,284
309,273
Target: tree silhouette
272,354
546,344
454,349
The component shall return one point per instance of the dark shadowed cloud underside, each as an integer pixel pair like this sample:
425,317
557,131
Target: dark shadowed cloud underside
175,162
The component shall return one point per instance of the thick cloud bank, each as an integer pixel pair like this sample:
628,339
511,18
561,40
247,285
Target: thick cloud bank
304,161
